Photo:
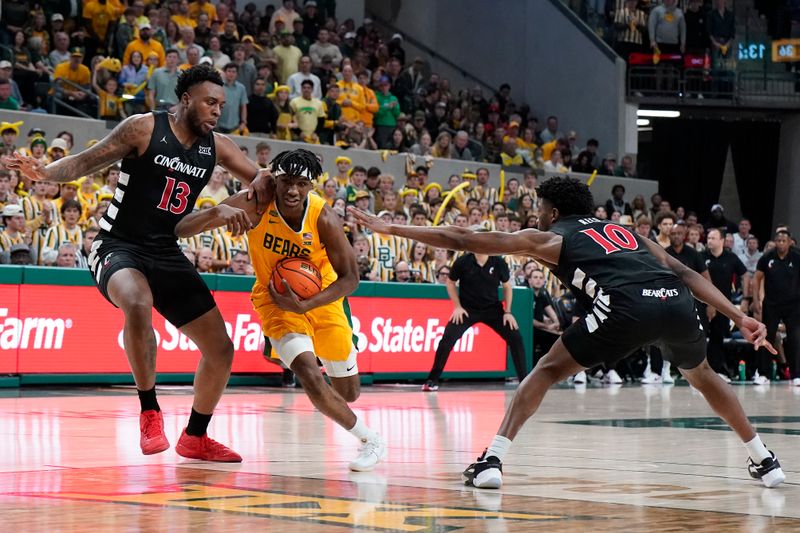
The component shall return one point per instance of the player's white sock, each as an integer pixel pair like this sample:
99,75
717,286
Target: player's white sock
499,447
361,431
758,452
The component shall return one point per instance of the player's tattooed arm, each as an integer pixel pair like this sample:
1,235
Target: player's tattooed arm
131,135
236,212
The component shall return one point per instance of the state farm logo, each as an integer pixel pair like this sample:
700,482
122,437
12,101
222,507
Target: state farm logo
385,336
245,333
38,333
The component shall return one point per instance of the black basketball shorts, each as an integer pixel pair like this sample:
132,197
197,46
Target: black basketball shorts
179,293
623,320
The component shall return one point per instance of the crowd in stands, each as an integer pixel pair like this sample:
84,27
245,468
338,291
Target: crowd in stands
299,75
291,73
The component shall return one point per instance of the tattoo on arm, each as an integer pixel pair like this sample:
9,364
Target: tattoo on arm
119,143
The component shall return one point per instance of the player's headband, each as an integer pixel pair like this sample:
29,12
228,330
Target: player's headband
304,172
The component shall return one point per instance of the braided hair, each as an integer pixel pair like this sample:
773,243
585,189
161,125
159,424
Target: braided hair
298,162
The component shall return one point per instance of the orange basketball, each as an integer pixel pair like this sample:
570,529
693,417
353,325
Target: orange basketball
301,274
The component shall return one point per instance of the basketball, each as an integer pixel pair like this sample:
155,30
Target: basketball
301,275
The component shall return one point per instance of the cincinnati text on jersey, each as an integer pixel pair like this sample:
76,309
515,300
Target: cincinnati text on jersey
175,163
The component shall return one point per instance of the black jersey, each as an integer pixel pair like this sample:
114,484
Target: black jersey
160,187
598,256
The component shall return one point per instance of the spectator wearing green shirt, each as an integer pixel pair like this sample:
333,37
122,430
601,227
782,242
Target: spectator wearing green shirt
6,100
388,110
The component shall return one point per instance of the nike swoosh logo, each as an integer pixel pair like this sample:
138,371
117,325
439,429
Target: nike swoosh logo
351,368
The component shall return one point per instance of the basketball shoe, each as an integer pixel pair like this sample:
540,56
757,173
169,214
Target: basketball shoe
371,452
486,473
206,449
151,427
430,386
769,471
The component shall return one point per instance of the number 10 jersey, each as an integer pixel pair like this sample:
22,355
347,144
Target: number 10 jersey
160,187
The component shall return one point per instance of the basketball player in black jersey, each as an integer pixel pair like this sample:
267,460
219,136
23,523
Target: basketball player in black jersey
135,260
635,294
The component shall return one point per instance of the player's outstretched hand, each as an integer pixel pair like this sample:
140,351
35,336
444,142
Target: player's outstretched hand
236,220
756,333
288,301
28,166
263,188
369,220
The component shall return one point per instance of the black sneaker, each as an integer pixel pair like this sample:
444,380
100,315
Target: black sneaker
769,471
287,380
487,473
430,386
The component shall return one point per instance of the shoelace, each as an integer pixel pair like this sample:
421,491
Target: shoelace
370,446
152,427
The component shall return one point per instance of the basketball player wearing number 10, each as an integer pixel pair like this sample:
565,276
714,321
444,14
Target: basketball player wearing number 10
299,224
635,294
135,260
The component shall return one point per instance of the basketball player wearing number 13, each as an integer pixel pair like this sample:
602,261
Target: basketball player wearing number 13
299,224
635,294
135,260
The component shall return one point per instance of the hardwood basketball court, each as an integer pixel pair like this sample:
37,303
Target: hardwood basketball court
599,459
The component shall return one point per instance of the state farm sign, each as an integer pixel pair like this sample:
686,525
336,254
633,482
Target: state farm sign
63,329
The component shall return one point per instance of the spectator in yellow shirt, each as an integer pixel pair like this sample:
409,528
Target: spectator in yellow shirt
100,15
351,98
76,72
203,6
183,18
288,56
370,100
145,45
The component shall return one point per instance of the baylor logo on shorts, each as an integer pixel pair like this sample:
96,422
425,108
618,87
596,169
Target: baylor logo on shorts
284,247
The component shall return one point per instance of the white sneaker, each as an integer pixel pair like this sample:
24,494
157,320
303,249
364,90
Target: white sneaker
760,380
370,454
580,378
612,378
666,376
796,382
724,378
651,379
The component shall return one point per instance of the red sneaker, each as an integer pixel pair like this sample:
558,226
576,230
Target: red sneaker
206,449
151,426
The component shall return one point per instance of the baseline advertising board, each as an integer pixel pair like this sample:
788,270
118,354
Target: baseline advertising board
72,329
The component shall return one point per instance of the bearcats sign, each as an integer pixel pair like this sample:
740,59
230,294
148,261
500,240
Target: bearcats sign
73,329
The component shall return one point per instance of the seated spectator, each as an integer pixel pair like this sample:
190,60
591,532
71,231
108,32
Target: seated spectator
626,169
240,263
6,100
583,163
402,272
555,163
215,188
67,256
509,156
204,260
443,147
423,146
609,165
21,254
617,201
75,93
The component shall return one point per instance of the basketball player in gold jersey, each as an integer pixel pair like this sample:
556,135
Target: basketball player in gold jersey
297,224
